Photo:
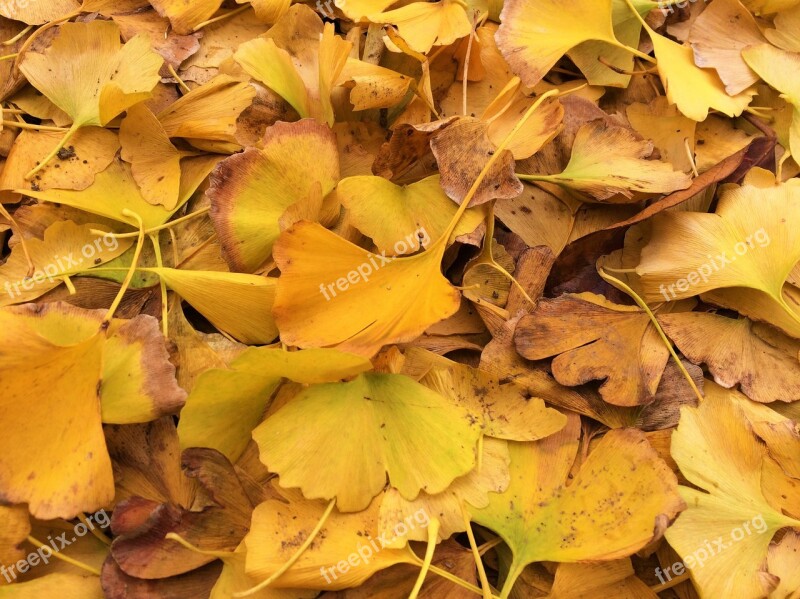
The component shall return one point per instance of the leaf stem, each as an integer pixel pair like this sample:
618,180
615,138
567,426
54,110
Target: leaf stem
134,263
168,225
433,533
476,555
292,560
16,38
222,17
64,558
22,125
70,132
643,305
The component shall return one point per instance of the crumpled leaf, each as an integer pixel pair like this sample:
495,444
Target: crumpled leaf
596,339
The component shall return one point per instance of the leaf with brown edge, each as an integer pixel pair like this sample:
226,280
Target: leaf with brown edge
250,191
595,339
69,347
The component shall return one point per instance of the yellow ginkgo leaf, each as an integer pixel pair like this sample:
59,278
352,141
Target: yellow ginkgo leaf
155,162
208,112
504,409
717,451
785,33
694,90
57,377
244,388
535,34
402,220
67,249
115,190
603,579
15,526
426,24
268,11
474,487
617,63
543,519
37,13
354,299
782,562
718,37
250,191
374,86
668,129
246,311
278,523
768,7
775,66
185,16
380,424
65,585
89,152
607,160
301,69
358,10
748,243
92,87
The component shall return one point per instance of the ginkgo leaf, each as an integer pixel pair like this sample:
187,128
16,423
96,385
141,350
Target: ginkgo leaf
37,13
595,339
15,526
613,70
115,190
374,86
767,7
67,249
89,152
718,37
426,24
669,130
54,362
784,35
250,191
543,519
782,562
772,64
185,16
63,584
504,409
535,34
491,477
245,388
762,361
747,243
608,160
93,87
246,311
268,11
381,425
402,220
717,451
300,68
461,150
209,112
278,523
392,300
604,579
155,162
694,90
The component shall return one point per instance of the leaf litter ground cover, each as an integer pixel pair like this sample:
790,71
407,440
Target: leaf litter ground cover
366,298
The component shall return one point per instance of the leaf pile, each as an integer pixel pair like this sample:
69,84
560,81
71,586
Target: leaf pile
382,299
